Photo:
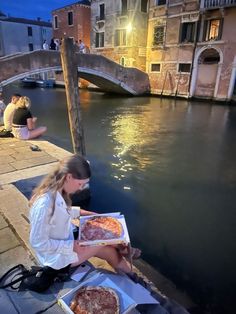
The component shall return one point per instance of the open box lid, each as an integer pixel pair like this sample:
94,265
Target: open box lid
123,239
130,294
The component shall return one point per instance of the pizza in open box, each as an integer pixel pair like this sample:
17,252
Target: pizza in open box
95,300
101,228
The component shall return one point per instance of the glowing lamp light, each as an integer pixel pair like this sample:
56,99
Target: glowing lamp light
129,27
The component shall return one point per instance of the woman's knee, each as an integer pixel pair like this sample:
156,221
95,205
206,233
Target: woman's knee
37,132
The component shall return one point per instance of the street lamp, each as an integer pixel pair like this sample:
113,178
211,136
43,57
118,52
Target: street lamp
129,28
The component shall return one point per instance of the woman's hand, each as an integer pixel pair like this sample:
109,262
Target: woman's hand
76,246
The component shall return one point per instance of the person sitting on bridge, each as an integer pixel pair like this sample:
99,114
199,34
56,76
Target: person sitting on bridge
23,126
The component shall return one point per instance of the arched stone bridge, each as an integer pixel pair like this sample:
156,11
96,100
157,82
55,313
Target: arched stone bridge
102,72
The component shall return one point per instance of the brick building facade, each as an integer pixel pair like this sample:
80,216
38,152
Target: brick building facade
187,47
172,35
73,21
214,64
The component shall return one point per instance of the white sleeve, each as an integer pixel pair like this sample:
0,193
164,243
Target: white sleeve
75,212
40,215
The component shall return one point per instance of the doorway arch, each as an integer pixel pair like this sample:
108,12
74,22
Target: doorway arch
206,72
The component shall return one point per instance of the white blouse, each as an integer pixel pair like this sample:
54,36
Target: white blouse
51,236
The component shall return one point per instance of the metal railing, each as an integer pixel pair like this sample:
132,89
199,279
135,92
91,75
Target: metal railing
214,4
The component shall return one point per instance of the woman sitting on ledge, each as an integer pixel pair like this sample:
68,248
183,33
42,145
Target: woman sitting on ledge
23,126
51,216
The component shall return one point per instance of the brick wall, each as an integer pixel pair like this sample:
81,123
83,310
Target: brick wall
81,23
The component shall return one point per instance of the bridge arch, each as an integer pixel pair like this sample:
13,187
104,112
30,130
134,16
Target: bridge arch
102,72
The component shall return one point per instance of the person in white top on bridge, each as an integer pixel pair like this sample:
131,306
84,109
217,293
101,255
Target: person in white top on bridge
81,47
45,45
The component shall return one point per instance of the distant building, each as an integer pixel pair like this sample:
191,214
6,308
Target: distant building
214,66
73,21
172,36
21,35
187,47
119,31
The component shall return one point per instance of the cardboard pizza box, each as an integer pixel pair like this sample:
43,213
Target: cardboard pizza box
123,239
130,294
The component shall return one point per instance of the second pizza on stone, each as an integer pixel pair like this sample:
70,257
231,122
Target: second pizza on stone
95,300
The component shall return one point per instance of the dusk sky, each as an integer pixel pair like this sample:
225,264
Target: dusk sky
32,9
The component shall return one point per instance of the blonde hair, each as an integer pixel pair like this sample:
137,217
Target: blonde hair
23,102
76,165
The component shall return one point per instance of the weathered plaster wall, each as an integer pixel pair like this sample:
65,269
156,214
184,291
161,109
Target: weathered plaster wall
169,54
226,47
134,52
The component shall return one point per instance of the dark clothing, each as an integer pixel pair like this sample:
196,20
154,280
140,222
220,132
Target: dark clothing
52,45
21,115
5,133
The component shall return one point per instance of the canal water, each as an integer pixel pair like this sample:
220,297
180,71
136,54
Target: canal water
170,167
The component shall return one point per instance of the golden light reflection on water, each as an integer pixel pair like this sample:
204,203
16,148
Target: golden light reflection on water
131,133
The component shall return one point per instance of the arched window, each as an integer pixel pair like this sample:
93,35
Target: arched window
209,56
122,61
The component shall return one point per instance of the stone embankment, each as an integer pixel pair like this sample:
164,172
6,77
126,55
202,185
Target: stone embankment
17,164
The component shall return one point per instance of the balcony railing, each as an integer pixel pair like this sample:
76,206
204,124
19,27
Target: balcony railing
215,4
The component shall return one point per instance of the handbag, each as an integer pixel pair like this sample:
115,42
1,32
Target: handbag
5,133
36,278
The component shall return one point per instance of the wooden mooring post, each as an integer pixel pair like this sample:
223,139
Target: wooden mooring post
70,73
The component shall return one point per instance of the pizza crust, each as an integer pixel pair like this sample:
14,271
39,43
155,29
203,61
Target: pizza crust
95,300
75,222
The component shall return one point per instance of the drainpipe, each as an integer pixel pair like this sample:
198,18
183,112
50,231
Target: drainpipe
147,52
194,50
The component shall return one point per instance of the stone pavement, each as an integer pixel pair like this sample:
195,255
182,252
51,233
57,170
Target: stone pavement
19,162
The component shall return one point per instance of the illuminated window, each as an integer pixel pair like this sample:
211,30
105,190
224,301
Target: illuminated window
213,29
55,22
158,36
187,32
70,18
120,37
99,40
